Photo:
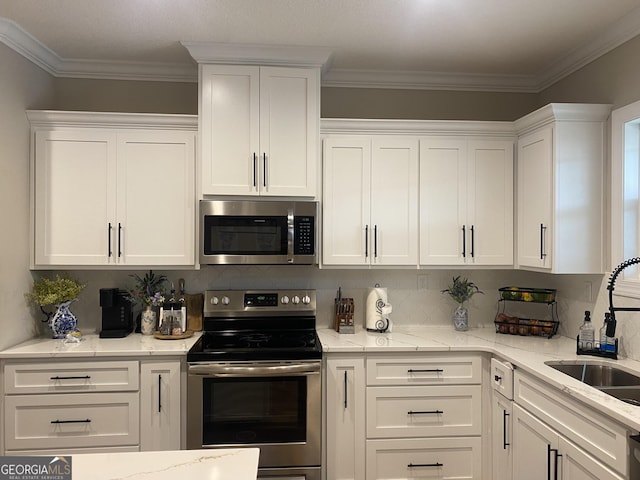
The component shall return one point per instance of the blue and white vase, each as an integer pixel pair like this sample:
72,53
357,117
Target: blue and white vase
62,321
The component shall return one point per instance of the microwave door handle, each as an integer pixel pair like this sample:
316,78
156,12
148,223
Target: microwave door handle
291,227
212,370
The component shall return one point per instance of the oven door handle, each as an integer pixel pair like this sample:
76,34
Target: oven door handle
254,371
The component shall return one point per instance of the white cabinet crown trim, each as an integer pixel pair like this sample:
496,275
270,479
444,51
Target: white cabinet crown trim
112,120
562,112
249,54
415,127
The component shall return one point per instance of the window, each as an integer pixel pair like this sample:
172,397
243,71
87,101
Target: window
625,196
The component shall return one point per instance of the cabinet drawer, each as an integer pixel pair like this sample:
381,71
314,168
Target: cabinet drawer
502,377
458,458
69,421
424,370
70,377
423,411
595,433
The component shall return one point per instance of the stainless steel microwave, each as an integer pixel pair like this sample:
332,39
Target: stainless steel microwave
264,232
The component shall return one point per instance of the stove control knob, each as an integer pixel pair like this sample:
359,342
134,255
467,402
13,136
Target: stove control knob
295,299
225,300
214,300
306,300
284,300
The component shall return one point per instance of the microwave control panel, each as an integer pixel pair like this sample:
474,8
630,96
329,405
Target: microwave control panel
303,243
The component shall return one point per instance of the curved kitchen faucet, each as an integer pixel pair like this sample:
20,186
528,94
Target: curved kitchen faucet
611,326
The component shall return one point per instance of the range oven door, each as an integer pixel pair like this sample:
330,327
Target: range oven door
275,406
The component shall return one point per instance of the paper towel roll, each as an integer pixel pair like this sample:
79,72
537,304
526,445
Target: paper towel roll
377,310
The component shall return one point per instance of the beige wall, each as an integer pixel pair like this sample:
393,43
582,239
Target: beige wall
125,96
613,78
22,86
425,104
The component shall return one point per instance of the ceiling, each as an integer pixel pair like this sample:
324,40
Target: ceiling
499,45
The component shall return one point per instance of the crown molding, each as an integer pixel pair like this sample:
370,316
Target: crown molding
281,55
415,127
415,80
16,38
622,31
112,120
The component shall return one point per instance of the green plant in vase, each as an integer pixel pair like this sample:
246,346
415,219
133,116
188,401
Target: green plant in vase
59,292
461,290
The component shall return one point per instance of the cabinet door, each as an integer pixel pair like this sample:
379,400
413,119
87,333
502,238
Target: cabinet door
394,201
443,203
532,444
501,438
229,129
156,198
345,440
578,465
346,211
289,131
490,202
160,407
535,163
74,194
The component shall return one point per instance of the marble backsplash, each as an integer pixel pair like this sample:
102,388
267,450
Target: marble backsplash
415,294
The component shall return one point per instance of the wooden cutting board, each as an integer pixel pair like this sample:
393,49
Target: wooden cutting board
194,304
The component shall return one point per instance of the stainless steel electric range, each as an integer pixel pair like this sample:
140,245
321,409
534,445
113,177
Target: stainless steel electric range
254,380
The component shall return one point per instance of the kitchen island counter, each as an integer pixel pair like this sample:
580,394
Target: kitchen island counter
133,345
524,352
236,464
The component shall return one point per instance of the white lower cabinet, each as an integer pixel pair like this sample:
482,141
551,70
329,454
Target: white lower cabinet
160,405
458,458
71,406
415,416
541,452
501,438
67,406
345,407
555,437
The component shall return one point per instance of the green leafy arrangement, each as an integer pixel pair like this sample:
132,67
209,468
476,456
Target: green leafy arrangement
461,289
48,291
148,290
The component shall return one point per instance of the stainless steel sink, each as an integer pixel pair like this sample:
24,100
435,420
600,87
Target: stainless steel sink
608,379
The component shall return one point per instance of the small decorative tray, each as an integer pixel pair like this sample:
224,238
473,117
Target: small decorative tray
160,336
523,294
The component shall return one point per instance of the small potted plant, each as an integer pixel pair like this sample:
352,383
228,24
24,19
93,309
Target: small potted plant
461,290
59,292
148,291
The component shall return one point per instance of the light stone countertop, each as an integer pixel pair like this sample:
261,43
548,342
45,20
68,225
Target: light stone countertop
526,353
133,345
236,464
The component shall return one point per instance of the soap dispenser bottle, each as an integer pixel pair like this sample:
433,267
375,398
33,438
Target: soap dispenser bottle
586,337
607,343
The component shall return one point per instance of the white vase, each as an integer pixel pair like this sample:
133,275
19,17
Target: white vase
461,318
148,321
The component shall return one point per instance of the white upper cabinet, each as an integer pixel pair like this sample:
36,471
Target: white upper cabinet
259,130
466,201
561,151
370,214
113,189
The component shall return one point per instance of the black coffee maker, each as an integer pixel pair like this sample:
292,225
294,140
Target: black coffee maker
117,313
